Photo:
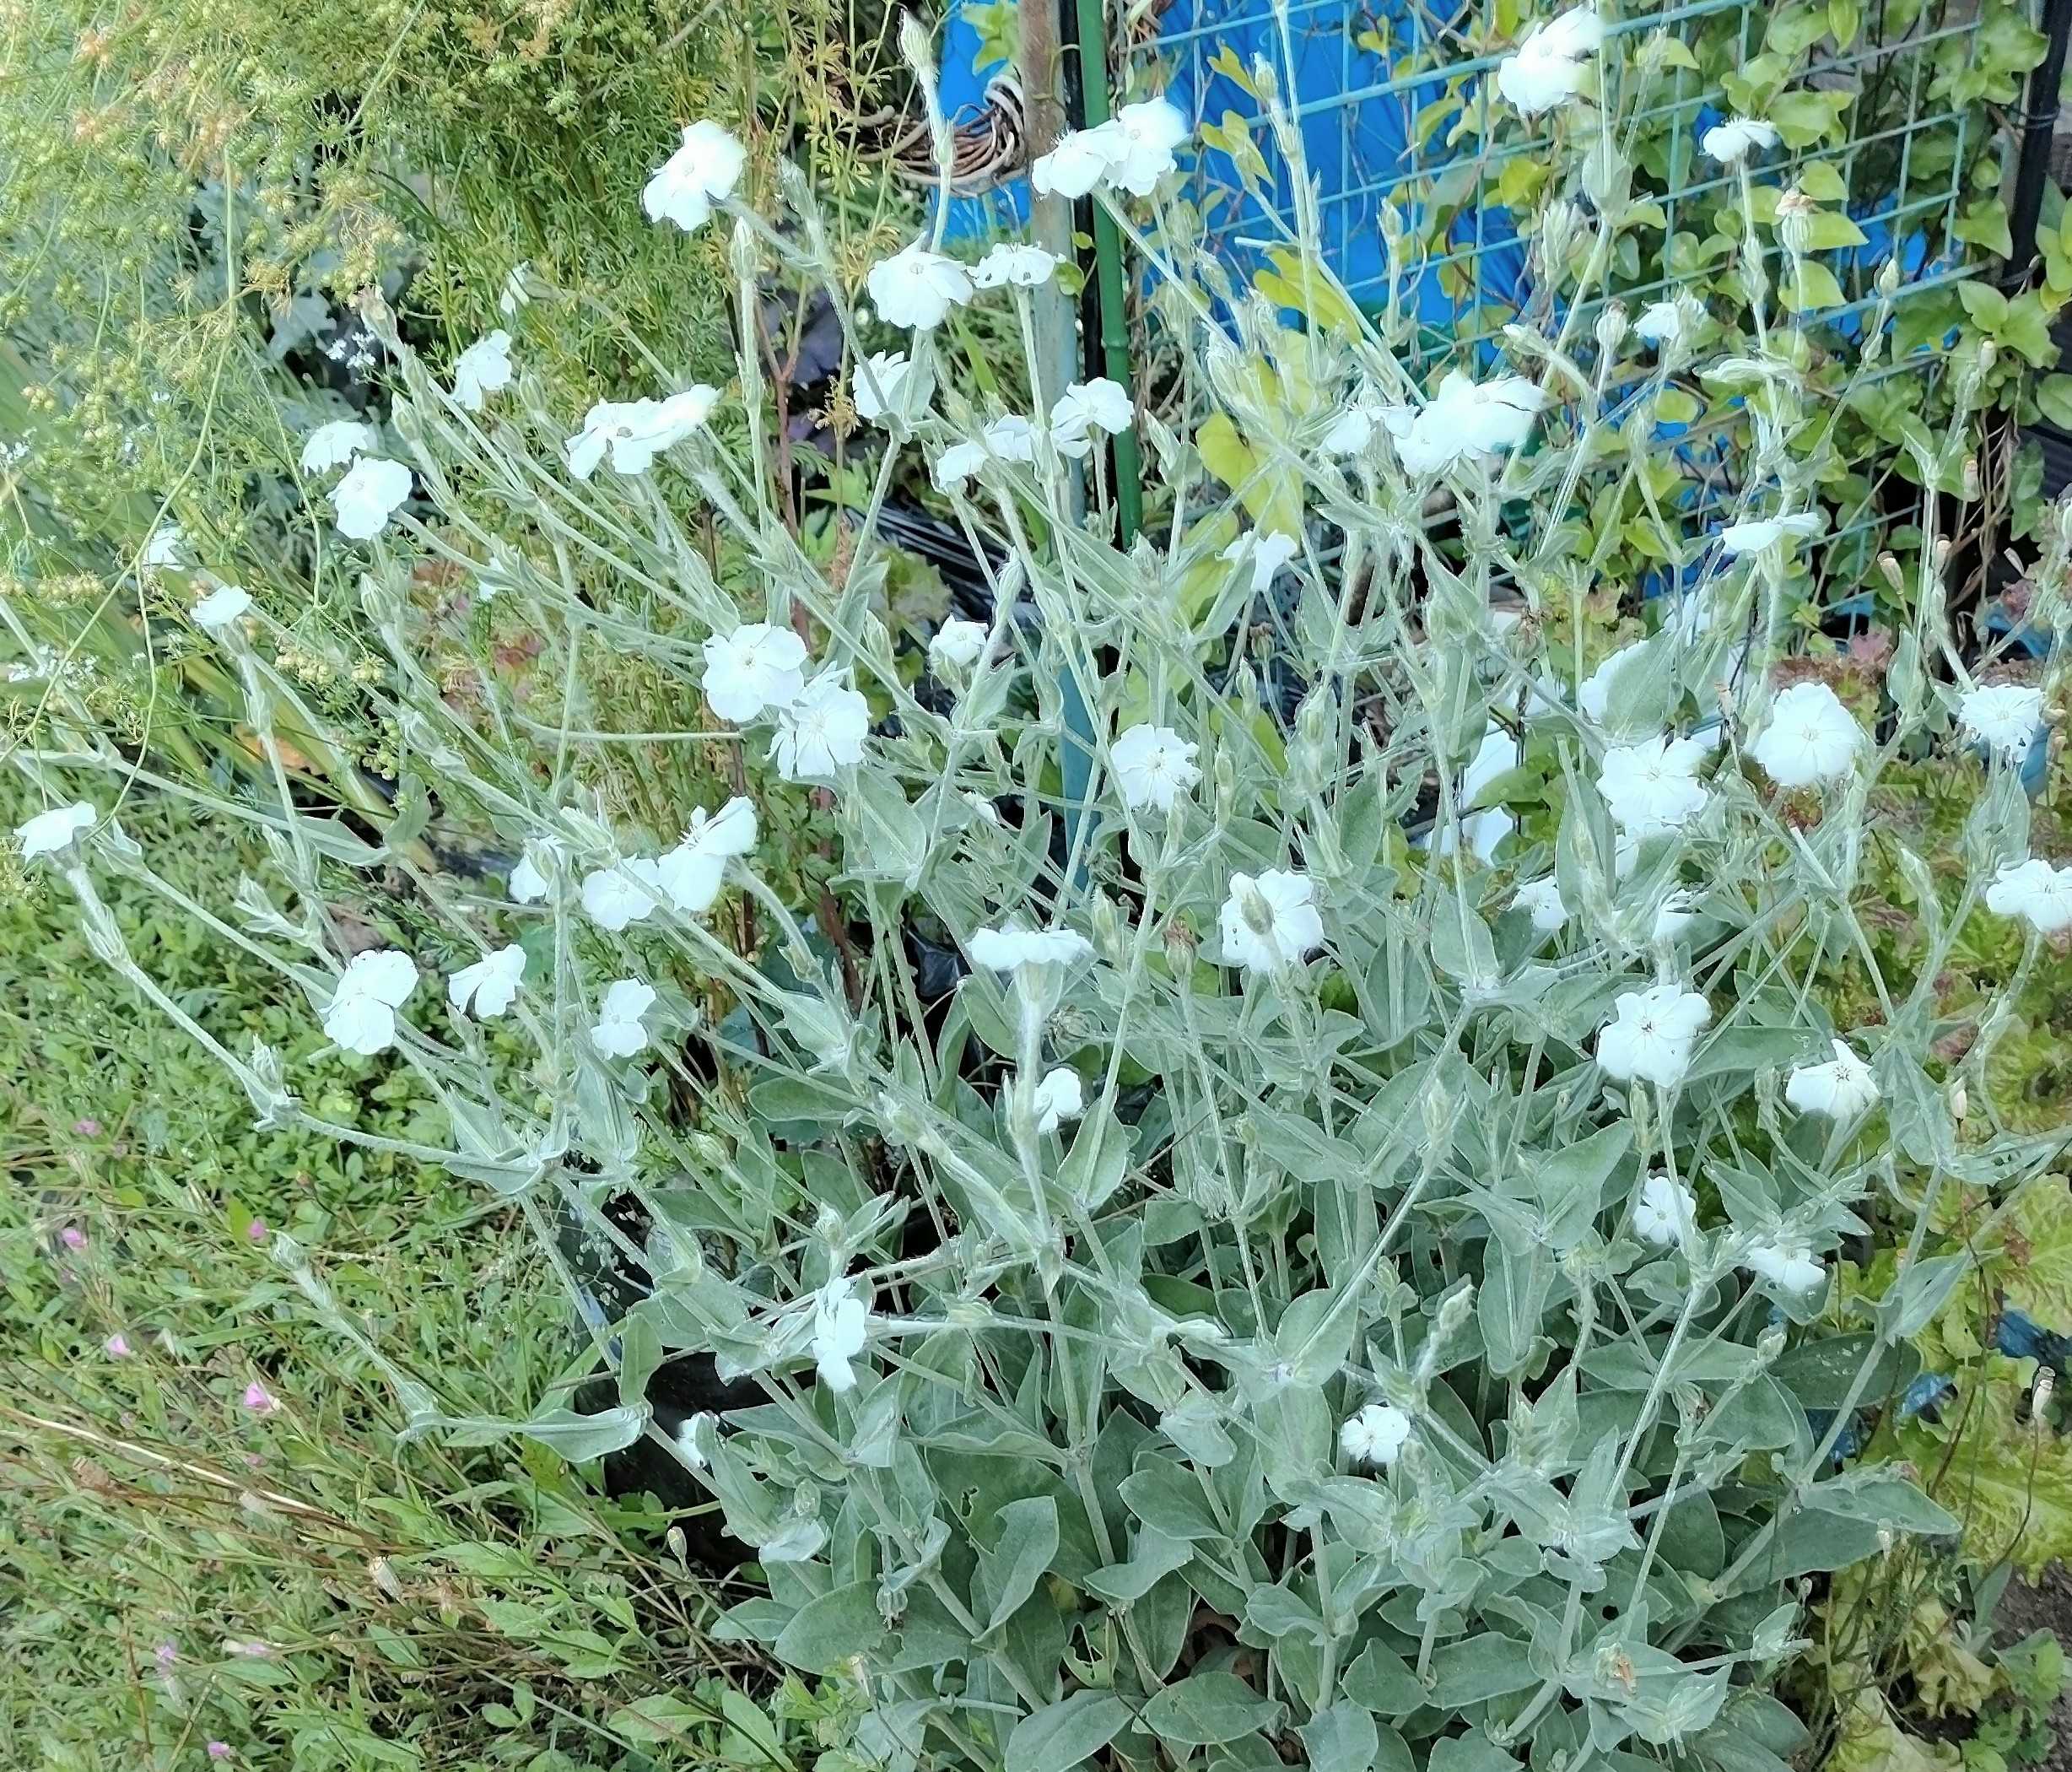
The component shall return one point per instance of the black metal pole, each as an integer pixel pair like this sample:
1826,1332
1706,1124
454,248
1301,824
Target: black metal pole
2039,120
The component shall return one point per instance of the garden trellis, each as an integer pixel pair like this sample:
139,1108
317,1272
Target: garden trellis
1895,114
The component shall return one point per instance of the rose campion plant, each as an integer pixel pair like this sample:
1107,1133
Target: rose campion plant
1347,1271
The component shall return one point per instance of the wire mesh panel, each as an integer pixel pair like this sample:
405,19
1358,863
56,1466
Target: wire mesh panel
1396,106
1882,153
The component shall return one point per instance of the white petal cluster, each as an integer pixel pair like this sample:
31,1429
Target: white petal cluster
2003,716
1650,1036
1547,69
700,174
1153,766
1841,1089
1466,420
632,433
2036,893
1808,738
1374,1434
364,1002
1269,919
1131,152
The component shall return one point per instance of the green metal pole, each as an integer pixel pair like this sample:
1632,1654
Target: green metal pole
1109,288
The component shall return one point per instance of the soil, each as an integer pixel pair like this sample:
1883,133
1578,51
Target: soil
2048,1605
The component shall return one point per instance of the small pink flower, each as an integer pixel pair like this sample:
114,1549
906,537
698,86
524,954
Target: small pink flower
87,1128
118,1347
73,1237
260,1400
219,1750
166,1653
250,1652
256,1231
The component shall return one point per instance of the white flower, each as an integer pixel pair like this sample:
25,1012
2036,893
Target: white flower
1541,901
957,644
1085,407
1547,68
368,495
692,872
701,173
49,832
1148,132
483,368
688,1431
527,885
1674,915
1661,323
822,732
1024,266
629,893
1464,418
1666,1209
1351,431
1809,737
1786,1264
1287,925
1729,143
2004,717
1841,1089
492,981
515,296
1002,950
1653,786
372,988
1375,1434
167,548
840,1323
2041,895
1496,755
917,287
1131,152
1153,766
1761,533
1079,162
636,432
619,1033
889,387
1651,1036
1059,1097
1268,553
1593,696
338,445
756,667
1012,438
221,609
957,464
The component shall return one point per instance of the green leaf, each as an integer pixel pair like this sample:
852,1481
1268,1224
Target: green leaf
1571,1182
1205,1709
1277,1613
1341,1738
1821,1373
1059,1738
1803,118
1381,1681
1985,224
1478,1669
1884,1499
1809,286
1472,1752
1301,284
1027,1544
1168,1497
826,1630
1986,304
2053,395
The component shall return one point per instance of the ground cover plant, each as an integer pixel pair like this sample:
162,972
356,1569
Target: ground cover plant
1291,1176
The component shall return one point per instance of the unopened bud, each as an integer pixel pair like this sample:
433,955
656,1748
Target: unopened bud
1971,479
1959,1102
1988,355
1888,563
677,1543
382,1573
1795,212
915,46
1611,326
1180,946
1770,1344
1888,277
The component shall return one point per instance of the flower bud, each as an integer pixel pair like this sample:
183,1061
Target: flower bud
1611,326
1959,1102
1888,563
1795,214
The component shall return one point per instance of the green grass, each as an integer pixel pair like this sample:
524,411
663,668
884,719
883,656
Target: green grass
418,1606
